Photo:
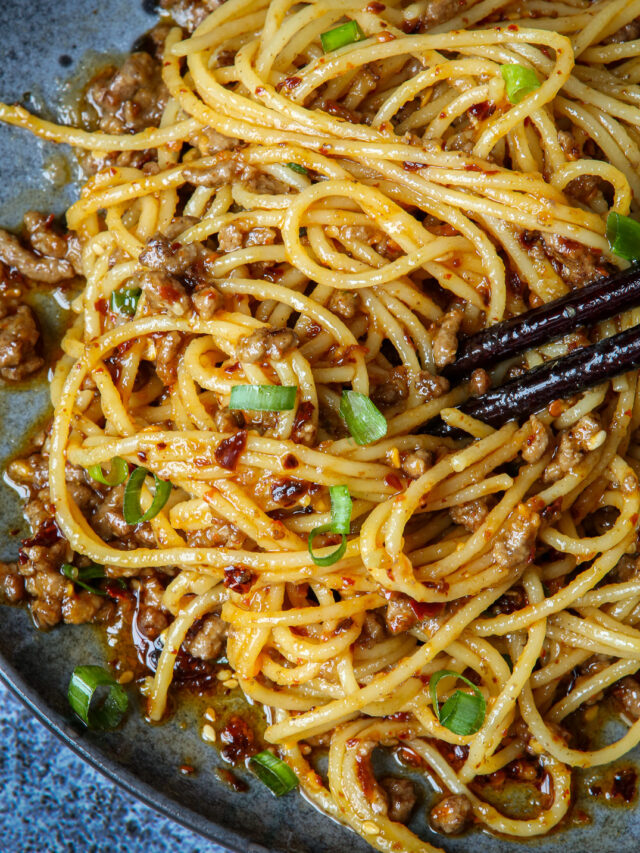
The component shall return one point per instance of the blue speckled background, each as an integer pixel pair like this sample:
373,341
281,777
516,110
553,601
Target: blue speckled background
51,801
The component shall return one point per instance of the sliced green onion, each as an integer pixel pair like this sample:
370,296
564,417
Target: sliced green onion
341,36
623,234
519,81
462,713
125,300
273,772
341,507
118,474
82,687
296,167
131,508
81,576
263,398
364,420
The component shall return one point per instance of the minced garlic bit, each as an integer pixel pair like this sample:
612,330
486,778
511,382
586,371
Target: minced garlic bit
210,715
126,677
230,683
597,440
208,733
224,674
147,686
370,827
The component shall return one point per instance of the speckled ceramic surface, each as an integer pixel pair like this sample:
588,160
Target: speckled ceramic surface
41,44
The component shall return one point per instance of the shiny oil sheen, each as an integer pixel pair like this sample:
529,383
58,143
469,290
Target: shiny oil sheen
43,44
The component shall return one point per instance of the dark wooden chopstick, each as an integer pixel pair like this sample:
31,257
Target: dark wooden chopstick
600,300
560,377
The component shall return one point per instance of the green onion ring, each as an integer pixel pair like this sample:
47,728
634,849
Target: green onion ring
82,687
131,509
118,474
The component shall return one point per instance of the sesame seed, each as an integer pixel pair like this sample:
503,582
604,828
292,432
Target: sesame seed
208,733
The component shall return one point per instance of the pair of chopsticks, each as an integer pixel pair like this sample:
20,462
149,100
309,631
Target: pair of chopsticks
560,377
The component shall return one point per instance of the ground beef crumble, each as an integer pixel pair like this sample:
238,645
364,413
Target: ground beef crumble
130,98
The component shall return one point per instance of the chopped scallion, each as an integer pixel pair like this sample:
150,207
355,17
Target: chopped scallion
462,713
263,398
519,81
341,507
364,420
623,234
82,687
81,576
118,474
125,300
341,36
131,508
273,772
296,167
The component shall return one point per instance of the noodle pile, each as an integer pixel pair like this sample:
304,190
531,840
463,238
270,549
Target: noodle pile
417,183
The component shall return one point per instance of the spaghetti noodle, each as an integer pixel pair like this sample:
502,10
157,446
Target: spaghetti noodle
328,221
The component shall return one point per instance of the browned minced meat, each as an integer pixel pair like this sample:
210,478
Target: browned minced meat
584,432
49,270
630,32
163,255
222,533
11,583
394,389
168,348
566,457
52,596
49,242
627,692
571,448
401,796
373,630
209,641
151,619
266,343
209,141
206,301
575,264
344,303
584,188
479,382
470,515
235,235
108,522
516,542
451,815
223,171
400,614
230,238
164,293
429,386
19,337
436,12
417,463
538,441
130,98
189,13
227,421
445,340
